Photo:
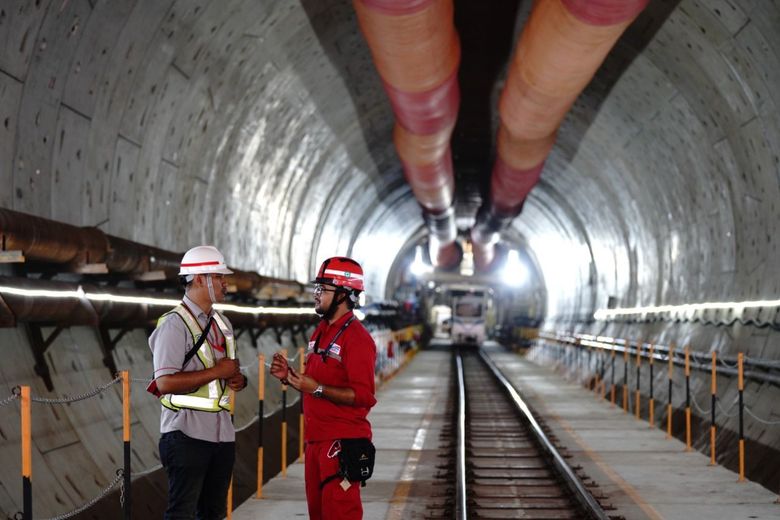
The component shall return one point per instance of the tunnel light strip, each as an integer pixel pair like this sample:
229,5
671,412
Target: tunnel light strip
603,314
146,300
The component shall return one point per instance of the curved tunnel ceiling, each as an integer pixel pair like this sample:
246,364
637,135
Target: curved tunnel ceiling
262,127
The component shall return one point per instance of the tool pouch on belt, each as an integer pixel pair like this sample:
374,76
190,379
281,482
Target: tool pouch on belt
356,461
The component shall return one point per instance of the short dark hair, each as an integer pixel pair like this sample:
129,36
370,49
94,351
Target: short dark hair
183,281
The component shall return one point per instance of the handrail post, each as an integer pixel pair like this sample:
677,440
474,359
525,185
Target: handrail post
612,379
284,424
229,507
651,402
126,443
301,365
712,416
638,379
625,377
260,421
26,454
741,387
687,398
669,400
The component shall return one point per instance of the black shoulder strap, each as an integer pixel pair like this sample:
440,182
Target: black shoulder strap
197,344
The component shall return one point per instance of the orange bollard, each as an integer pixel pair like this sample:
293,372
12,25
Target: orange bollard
637,407
126,442
687,399
669,402
612,387
26,454
260,415
230,486
741,387
284,424
625,378
712,418
301,369
651,401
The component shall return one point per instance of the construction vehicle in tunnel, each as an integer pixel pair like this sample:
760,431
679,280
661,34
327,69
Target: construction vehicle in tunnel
469,316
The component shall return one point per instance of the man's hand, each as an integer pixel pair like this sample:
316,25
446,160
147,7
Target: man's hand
226,368
279,366
302,382
237,382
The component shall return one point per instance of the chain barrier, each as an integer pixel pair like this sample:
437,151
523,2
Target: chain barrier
118,479
699,408
140,380
727,364
80,397
725,413
10,399
762,421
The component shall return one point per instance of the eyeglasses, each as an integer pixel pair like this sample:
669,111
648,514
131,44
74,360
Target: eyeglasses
319,289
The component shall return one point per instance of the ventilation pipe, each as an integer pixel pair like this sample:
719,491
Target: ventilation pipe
90,250
561,47
416,51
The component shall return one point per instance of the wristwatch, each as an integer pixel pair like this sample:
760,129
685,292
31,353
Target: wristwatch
317,391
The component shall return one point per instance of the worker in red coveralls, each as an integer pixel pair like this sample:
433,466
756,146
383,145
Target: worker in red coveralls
337,388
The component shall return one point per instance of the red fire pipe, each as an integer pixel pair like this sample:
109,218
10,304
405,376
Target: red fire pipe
561,47
416,51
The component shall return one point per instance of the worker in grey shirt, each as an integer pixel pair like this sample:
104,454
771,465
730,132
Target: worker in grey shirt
197,443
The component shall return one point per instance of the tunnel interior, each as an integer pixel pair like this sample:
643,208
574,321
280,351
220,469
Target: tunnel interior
262,127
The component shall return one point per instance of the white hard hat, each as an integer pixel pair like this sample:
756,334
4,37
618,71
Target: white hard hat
203,260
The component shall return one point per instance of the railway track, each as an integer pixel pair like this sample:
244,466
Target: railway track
505,466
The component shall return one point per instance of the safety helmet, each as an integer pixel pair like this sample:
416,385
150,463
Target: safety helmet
341,272
203,260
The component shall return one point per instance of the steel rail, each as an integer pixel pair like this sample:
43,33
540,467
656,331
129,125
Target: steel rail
461,504
571,480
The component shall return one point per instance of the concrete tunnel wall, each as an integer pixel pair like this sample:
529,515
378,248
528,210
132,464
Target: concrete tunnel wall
261,127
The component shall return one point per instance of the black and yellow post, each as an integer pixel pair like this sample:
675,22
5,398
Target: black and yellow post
669,398
651,400
26,455
603,371
301,367
284,424
126,441
741,388
625,377
230,486
687,399
637,401
260,416
612,380
712,413
591,378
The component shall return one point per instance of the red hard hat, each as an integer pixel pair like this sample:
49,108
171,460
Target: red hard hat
341,272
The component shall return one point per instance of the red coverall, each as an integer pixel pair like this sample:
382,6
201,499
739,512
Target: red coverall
349,363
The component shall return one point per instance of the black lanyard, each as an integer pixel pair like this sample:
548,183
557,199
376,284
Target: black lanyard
324,353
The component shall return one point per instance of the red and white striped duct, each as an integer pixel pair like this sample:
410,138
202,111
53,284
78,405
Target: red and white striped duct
416,52
561,47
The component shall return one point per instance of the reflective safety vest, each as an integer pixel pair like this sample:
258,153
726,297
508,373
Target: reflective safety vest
213,396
